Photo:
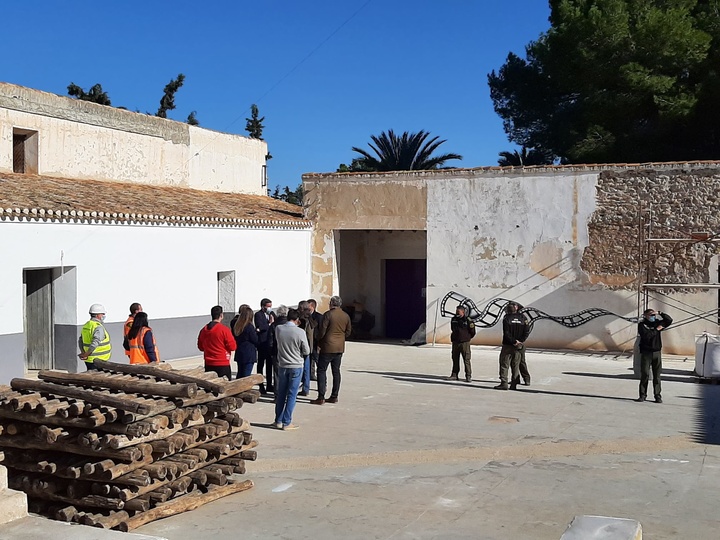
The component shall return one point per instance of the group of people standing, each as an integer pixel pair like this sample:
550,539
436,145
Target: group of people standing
138,339
291,347
516,330
512,354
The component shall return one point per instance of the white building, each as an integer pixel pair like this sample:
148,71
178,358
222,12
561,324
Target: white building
104,205
561,239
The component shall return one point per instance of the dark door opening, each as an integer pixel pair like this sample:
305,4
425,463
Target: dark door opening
404,299
38,319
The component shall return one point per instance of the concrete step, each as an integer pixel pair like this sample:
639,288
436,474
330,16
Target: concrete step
602,528
32,528
13,505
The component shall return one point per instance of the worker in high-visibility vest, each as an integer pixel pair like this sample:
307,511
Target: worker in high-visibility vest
94,340
140,341
135,307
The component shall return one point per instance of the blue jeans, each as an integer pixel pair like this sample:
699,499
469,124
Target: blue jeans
286,389
306,376
245,370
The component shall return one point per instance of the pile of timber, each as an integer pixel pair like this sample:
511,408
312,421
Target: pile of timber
127,444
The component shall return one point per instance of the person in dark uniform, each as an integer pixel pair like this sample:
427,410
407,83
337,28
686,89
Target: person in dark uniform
515,332
650,344
524,373
462,330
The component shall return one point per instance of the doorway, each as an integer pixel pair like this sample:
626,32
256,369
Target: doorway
404,296
39,323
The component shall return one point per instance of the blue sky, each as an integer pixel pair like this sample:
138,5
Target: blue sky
395,64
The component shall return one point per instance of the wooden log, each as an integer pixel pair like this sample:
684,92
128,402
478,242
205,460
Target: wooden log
171,375
90,396
200,453
83,423
18,403
218,407
227,470
108,521
199,478
160,495
223,425
156,470
183,504
51,407
95,501
248,455
101,380
136,505
65,513
133,453
117,472
180,486
208,431
249,396
190,460
47,434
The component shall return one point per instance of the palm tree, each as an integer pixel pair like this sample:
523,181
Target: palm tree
523,158
407,152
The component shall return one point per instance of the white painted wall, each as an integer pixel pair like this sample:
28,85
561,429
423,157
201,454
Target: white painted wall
171,270
522,238
89,141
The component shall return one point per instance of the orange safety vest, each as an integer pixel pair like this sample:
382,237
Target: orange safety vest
126,329
137,353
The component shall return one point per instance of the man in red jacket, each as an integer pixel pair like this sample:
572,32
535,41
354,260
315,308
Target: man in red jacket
217,342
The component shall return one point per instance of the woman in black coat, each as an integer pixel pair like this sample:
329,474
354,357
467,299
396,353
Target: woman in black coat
246,339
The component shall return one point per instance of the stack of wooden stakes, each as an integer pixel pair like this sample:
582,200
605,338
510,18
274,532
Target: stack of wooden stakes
127,444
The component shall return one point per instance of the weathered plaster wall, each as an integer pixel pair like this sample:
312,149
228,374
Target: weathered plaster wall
362,256
517,236
564,241
337,202
77,139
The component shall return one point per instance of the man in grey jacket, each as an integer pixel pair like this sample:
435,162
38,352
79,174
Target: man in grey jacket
292,348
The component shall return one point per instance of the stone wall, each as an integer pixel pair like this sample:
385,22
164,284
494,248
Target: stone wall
637,204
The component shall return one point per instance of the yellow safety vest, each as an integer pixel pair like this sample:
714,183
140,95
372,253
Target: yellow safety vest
103,350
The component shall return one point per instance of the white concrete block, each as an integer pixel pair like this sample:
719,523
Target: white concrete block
3,478
13,505
602,528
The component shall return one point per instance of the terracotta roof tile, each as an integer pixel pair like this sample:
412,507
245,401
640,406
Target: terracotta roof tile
49,198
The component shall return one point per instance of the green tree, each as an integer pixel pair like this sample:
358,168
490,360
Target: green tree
95,94
523,158
192,119
407,152
254,125
356,165
290,196
167,101
617,80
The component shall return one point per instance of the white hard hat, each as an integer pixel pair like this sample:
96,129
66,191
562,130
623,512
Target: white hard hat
97,309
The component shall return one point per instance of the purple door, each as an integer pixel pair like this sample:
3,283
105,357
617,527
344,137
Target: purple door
404,301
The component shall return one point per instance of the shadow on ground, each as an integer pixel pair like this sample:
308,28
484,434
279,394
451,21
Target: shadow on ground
435,379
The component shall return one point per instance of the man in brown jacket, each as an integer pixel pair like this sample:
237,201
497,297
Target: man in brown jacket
333,331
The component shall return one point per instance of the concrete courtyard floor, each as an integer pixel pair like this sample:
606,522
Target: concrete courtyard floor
406,454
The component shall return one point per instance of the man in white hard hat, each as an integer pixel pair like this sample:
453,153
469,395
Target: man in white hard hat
94,340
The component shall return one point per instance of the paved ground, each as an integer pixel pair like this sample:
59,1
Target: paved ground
406,454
